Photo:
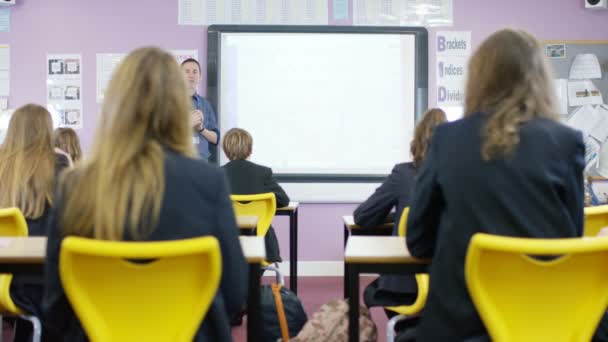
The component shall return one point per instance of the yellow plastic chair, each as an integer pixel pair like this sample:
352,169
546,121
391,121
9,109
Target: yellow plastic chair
596,218
12,223
263,206
521,298
140,291
422,281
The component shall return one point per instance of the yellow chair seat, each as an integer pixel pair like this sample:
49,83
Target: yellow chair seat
596,218
422,280
12,223
140,291
263,206
524,298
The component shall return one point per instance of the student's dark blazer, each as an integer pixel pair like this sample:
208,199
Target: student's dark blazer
25,294
537,191
195,203
248,178
394,192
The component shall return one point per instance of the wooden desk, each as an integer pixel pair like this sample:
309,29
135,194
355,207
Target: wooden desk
374,254
247,222
26,255
350,228
291,210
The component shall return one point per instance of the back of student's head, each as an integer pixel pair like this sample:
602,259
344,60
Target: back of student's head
67,140
509,79
27,161
424,132
145,111
237,144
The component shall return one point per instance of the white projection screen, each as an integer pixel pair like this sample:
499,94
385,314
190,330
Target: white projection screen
329,108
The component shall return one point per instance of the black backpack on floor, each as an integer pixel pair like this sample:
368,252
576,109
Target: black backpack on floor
282,312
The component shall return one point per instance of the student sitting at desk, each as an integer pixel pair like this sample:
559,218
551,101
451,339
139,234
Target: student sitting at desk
507,168
143,181
28,170
392,290
67,141
247,178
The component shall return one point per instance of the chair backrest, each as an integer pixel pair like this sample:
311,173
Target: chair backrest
140,291
403,221
12,223
596,218
263,206
558,297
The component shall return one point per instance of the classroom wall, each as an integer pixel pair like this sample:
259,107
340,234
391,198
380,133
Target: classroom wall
89,27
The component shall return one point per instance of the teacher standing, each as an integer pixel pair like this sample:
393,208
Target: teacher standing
205,134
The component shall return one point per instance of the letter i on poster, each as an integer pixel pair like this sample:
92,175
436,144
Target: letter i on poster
64,89
453,51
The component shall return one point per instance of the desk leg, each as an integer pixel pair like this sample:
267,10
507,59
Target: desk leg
353,303
346,275
293,251
254,322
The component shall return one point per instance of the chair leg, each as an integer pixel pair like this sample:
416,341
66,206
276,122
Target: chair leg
37,332
390,327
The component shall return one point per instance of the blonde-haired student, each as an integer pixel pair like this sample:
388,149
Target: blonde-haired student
29,168
144,181
67,141
507,168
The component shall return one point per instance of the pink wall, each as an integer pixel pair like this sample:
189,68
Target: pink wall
89,27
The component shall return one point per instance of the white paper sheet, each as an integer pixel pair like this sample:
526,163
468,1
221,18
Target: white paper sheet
600,131
4,70
261,12
340,9
4,83
403,12
64,89
584,119
585,66
453,50
106,63
582,93
190,12
4,57
5,118
308,12
561,94
592,152
5,20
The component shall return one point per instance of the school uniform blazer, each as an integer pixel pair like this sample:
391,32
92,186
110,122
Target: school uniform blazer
247,178
394,192
195,203
537,191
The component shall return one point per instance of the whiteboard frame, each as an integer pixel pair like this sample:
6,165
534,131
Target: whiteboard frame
420,34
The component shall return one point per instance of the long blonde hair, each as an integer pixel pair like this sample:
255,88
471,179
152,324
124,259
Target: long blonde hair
510,80
121,183
424,132
27,162
67,140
